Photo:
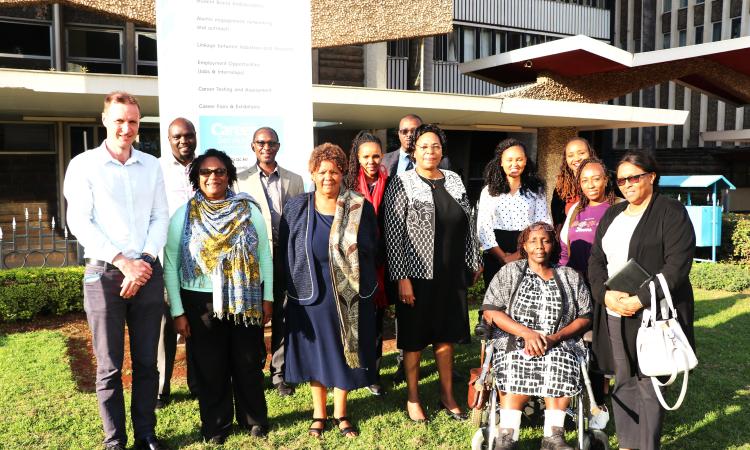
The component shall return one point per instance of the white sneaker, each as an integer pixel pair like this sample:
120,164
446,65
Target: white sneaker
599,421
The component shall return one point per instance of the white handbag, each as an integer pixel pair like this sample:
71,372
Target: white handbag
662,347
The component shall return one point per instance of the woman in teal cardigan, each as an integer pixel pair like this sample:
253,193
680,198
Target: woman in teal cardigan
219,276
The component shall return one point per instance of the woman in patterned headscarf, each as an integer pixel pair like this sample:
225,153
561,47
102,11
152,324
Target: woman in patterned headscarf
329,242
219,277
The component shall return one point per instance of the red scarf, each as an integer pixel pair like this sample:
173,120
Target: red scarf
376,198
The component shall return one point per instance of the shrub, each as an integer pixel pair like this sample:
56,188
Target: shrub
27,292
735,237
724,276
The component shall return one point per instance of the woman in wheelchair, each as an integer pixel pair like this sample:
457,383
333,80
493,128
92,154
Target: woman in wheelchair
540,311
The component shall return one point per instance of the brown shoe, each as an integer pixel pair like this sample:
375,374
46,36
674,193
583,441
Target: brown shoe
556,441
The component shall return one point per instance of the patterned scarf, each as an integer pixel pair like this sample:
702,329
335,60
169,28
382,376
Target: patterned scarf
220,241
344,263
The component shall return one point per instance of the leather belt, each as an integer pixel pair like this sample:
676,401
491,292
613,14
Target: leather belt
100,263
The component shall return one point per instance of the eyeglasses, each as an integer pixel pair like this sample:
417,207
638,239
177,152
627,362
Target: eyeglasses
270,144
406,131
220,172
633,179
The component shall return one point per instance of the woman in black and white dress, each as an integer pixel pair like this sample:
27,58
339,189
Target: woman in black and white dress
512,199
542,312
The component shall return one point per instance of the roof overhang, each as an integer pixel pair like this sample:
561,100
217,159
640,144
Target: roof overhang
580,56
25,93
726,136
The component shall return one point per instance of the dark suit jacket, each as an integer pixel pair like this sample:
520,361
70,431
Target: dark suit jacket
663,242
390,161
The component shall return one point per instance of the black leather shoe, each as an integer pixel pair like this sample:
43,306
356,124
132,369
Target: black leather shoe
216,440
284,389
150,443
114,447
376,389
161,402
258,431
455,416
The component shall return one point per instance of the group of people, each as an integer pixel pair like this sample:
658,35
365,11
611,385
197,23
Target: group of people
242,248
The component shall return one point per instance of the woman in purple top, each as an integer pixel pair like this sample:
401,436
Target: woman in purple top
596,195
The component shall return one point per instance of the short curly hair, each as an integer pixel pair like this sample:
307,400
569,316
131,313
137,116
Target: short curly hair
523,237
328,152
424,129
195,166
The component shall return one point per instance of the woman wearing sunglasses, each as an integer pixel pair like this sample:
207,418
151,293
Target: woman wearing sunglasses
219,277
654,230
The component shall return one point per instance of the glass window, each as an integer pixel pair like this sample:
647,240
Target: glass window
716,32
468,44
699,34
683,3
399,48
667,5
667,40
514,41
485,43
736,27
25,45
94,50
682,37
145,51
500,44
699,1
24,137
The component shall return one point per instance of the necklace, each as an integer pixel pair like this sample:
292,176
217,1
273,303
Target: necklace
431,181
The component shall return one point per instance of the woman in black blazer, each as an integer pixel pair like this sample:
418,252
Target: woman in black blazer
657,232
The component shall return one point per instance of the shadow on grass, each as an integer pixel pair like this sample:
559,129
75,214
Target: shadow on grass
717,407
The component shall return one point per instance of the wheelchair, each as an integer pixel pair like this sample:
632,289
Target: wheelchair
487,418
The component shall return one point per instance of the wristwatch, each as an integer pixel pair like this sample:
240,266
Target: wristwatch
148,258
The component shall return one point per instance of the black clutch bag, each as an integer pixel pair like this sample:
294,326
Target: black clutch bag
628,279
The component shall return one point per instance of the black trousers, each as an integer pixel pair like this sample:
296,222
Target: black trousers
638,414
107,313
277,321
229,361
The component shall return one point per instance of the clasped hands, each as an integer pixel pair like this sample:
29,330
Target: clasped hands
537,343
137,272
622,303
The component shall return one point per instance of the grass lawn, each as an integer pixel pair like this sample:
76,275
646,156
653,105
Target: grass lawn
41,407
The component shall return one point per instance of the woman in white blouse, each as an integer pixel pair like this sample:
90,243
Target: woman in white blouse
512,199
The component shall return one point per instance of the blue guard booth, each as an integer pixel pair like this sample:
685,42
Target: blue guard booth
706,216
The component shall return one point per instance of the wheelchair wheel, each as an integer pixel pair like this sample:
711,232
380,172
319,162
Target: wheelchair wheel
479,440
598,440
475,418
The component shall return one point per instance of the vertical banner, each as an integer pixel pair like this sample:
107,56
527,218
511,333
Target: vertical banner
232,66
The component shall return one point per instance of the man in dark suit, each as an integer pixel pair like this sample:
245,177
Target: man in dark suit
397,161
271,186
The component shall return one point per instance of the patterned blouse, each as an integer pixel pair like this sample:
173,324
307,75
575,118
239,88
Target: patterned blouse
509,212
410,225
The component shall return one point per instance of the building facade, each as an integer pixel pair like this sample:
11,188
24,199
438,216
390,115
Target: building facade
716,138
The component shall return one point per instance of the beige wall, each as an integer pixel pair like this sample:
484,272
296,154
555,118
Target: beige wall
334,22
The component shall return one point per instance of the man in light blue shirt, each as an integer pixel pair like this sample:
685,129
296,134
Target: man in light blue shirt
117,209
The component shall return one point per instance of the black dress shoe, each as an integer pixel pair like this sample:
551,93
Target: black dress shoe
150,443
114,447
258,431
161,402
376,389
216,440
455,416
284,389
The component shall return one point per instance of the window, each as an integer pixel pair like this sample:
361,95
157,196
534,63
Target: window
27,138
444,48
736,27
500,45
145,53
683,3
666,40
716,32
25,45
514,41
682,38
697,2
468,44
667,5
485,43
94,50
399,48
699,34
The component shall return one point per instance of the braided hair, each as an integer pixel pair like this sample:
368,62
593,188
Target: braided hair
496,179
609,188
364,136
566,185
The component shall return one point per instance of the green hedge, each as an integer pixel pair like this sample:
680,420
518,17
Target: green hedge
735,237
724,276
24,293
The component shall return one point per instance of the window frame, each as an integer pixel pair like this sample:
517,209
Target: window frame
144,62
48,23
78,59
30,152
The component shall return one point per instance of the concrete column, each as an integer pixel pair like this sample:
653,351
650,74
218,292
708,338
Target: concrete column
549,153
376,65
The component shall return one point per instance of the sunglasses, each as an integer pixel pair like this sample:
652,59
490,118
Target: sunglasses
633,179
270,144
220,172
